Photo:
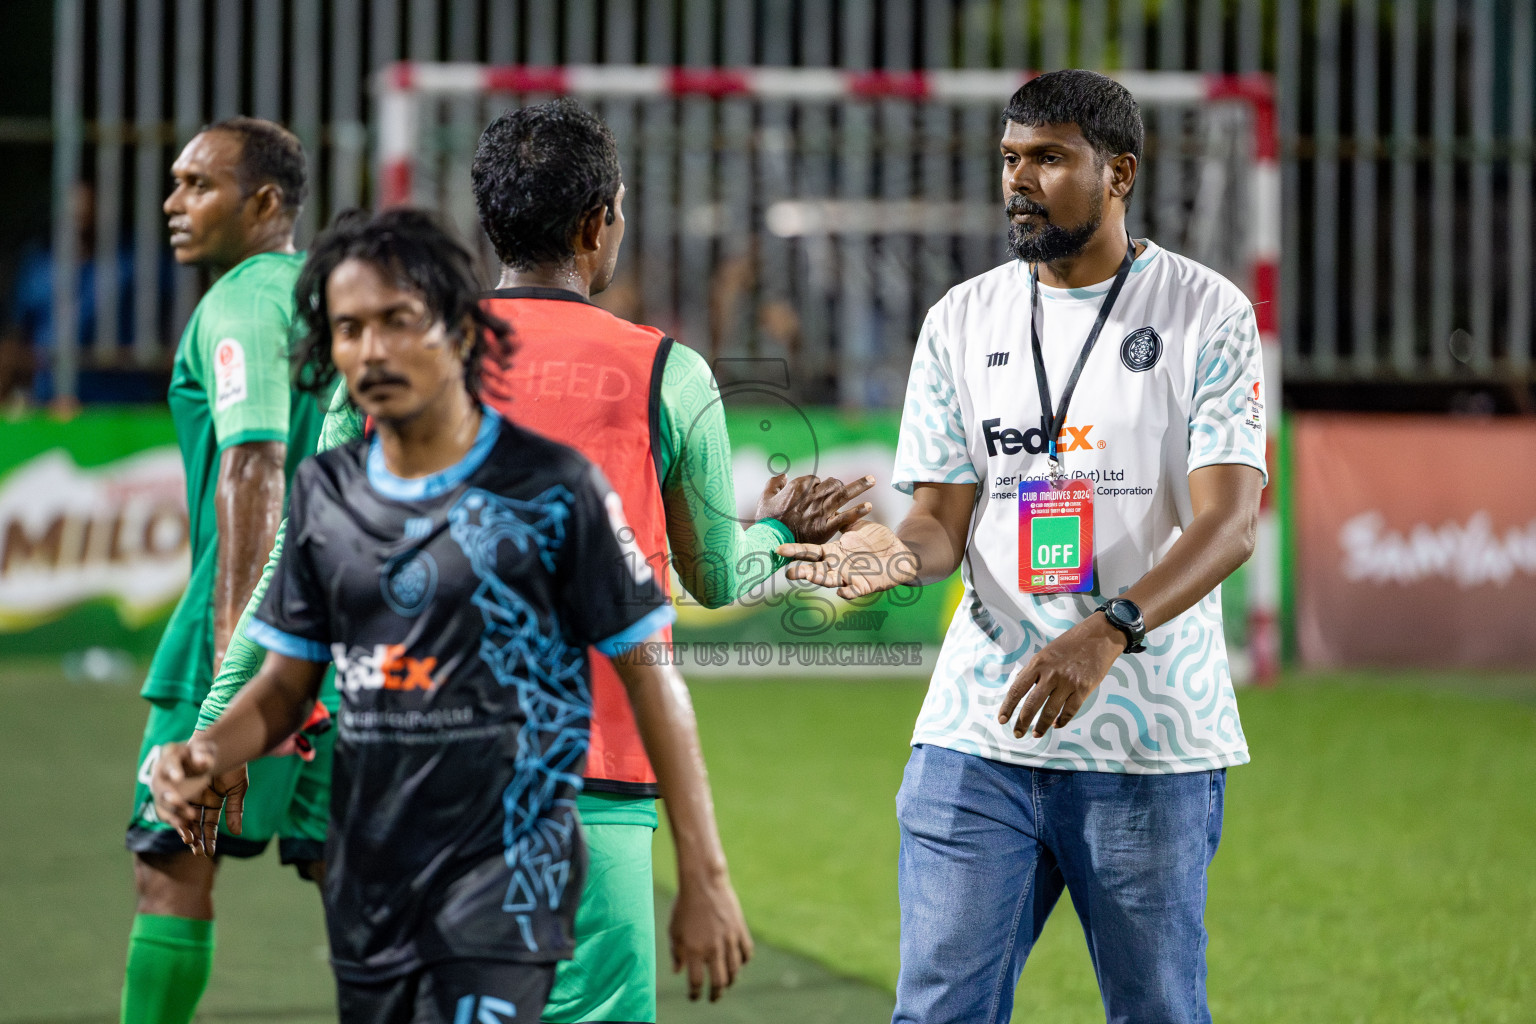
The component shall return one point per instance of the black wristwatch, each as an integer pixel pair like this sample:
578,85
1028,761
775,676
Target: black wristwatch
1126,617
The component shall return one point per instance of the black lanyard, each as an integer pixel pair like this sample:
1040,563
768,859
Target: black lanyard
1055,423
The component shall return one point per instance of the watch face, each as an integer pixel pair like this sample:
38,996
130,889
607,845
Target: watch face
1124,612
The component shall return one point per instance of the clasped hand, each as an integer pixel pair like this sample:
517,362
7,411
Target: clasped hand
190,798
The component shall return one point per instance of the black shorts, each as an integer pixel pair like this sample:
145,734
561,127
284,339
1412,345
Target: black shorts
450,992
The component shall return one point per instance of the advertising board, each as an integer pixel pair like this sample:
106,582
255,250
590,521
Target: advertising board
93,532
1415,541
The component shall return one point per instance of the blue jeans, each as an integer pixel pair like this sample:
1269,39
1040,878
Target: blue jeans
986,849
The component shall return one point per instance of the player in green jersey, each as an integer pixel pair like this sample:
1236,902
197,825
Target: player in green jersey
242,428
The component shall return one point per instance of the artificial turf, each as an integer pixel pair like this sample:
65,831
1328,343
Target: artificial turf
1377,863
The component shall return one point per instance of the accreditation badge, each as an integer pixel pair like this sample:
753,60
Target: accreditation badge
1055,537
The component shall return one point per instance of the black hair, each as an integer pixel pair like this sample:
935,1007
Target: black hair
410,247
1101,108
538,171
269,155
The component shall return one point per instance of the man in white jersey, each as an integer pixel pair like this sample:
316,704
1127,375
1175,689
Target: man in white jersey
1081,717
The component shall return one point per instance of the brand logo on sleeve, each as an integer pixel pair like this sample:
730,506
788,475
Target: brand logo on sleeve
228,374
1255,420
1141,350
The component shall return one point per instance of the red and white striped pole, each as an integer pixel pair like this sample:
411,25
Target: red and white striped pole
397,119
1264,568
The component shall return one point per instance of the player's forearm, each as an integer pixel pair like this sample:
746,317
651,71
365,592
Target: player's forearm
249,509
1218,540
664,715
716,560
243,656
267,711
934,553
935,531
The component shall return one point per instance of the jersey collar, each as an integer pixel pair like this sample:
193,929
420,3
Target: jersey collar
444,480
1093,291
536,292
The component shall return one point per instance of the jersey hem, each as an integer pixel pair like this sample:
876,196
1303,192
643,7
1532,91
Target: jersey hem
620,787
1143,766
160,690
252,436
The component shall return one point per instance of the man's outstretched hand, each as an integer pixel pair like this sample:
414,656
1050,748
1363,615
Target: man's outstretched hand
709,934
866,559
811,507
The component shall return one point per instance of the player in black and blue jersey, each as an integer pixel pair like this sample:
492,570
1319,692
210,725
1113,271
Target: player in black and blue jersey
455,568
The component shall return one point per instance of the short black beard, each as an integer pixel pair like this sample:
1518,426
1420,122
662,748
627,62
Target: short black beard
1053,242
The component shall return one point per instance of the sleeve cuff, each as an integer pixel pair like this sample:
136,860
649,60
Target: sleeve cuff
785,535
274,639
249,436
965,474
1230,459
655,619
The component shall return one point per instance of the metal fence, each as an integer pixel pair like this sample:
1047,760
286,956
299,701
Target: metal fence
1406,127
1407,182
823,250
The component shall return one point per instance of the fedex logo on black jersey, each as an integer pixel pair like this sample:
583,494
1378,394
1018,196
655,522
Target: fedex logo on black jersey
1033,440
382,667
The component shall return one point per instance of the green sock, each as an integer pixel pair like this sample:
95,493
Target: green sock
169,960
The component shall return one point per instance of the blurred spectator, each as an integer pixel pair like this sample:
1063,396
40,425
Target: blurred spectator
28,344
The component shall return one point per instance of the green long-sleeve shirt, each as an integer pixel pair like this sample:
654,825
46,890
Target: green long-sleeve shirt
714,557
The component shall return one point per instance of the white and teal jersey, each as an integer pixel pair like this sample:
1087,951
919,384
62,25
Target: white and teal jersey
1174,383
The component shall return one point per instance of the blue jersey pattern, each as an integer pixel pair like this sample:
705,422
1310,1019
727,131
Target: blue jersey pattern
552,690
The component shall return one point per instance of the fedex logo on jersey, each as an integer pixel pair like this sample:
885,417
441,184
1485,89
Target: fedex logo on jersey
1012,441
382,667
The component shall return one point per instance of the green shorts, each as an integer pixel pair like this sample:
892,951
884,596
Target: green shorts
613,974
289,798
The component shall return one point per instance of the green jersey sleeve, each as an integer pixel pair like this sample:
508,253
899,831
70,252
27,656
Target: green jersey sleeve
715,558
241,354
342,423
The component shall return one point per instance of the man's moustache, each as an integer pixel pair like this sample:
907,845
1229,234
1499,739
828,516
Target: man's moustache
374,379
1018,205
